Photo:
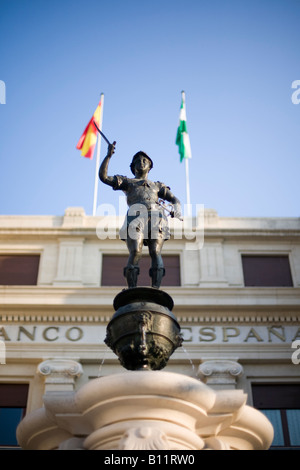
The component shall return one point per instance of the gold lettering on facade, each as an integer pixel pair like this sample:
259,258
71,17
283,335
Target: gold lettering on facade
47,330
78,333
3,334
207,331
227,335
191,334
253,334
27,333
297,335
189,329
271,331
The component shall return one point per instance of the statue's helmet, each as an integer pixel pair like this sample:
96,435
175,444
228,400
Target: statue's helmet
143,154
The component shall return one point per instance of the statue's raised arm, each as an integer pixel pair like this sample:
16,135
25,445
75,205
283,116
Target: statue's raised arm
104,166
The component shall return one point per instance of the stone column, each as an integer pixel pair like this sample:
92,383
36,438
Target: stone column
59,374
220,373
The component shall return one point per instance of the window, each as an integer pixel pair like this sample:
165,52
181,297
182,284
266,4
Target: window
13,401
267,271
112,270
281,405
18,270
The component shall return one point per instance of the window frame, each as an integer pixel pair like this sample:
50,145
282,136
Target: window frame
24,252
282,410
269,253
10,405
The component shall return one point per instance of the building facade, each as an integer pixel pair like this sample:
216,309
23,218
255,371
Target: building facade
235,283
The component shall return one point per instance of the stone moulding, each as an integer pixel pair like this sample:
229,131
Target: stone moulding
145,410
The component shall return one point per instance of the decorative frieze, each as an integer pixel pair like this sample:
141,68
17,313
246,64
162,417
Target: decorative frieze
223,318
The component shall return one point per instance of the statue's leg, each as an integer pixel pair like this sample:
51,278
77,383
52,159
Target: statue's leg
157,270
132,270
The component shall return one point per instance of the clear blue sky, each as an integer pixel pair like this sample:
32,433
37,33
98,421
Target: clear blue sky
235,59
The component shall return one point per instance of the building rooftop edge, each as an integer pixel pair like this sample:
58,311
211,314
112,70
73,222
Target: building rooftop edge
75,217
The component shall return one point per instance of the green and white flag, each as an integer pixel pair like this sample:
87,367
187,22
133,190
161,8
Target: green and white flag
182,138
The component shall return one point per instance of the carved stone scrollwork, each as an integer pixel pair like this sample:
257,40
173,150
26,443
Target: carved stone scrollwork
220,372
215,443
144,438
74,443
140,410
60,374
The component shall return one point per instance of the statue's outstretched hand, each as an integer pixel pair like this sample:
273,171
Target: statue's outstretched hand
177,211
111,149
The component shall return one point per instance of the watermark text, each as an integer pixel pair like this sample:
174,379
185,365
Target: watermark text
296,94
146,223
296,354
2,92
2,352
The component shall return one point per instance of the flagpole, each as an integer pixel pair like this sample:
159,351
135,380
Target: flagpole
187,177
98,157
187,185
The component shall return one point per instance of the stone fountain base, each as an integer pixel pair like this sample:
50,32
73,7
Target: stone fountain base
145,410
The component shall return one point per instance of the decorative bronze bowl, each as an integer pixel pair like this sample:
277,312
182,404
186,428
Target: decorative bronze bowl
143,331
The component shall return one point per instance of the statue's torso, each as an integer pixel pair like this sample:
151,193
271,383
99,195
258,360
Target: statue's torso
144,214
137,191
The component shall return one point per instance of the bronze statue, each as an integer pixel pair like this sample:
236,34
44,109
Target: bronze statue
146,222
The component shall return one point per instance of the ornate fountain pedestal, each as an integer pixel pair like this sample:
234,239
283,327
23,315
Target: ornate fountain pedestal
143,332
145,410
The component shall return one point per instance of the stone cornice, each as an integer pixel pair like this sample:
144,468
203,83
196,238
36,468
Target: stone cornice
90,233
184,297
76,223
93,305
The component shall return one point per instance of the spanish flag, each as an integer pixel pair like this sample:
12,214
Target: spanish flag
87,141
